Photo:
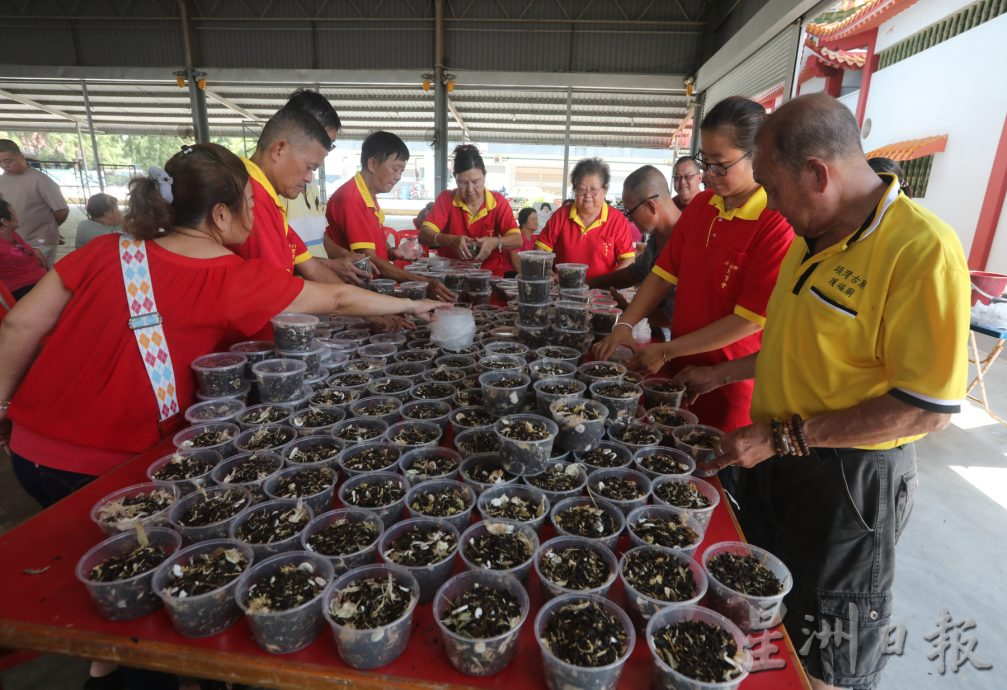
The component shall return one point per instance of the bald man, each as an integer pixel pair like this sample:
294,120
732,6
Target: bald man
864,352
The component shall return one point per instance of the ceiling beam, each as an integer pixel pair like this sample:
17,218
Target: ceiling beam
228,103
44,108
458,119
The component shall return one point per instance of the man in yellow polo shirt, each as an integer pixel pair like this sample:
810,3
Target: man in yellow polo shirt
864,352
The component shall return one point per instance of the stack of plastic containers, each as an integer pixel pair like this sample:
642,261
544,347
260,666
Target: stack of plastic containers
533,288
573,318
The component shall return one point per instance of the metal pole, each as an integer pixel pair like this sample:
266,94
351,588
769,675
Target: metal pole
321,169
566,142
440,103
197,99
94,139
83,160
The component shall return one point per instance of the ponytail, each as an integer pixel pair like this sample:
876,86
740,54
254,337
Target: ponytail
148,215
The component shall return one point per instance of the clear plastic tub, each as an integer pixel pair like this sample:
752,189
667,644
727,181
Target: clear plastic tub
502,363
475,441
576,472
413,434
597,480
414,289
262,439
218,436
658,392
359,555
534,315
550,588
117,512
621,399
294,332
560,675
638,517
273,546
608,455
464,362
641,607
220,374
372,648
581,423
667,419
635,435
666,677
493,504
430,577
414,356
240,396
254,351
203,614
132,597
266,413
428,390
525,456
532,336
461,519
313,421
445,374
279,379
687,438
397,339
578,294
359,430
405,370
279,486
312,357
389,512
383,407
380,351
604,318
574,338
533,291
747,612
659,461
321,449
549,390
388,386
498,526
504,392
433,411
285,631
372,456
536,264
482,656
185,469
550,369
215,410
478,281
571,275
383,286
178,516
565,354
430,462
601,534
572,316
593,372
699,488
485,466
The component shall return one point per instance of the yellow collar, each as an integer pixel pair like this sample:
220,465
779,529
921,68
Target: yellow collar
601,220
488,205
750,210
255,172
369,200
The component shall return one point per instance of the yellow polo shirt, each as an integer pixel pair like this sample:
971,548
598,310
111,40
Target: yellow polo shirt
885,311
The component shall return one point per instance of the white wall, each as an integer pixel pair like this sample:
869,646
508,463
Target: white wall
955,88
918,16
813,85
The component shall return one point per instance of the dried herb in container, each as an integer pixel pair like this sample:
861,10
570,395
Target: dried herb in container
585,634
500,547
744,574
659,576
699,650
575,568
482,612
421,546
342,537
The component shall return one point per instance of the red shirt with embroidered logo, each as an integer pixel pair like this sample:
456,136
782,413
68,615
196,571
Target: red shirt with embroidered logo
723,262
354,218
601,246
493,219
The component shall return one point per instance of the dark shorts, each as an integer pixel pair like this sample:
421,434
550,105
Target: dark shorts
46,484
834,519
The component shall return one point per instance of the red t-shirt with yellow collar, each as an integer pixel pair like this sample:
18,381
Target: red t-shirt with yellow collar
272,238
494,219
601,246
354,220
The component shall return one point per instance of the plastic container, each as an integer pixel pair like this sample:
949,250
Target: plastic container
430,462
199,462
533,291
578,478
274,546
701,453
572,316
536,264
240,396
313,421
644,514
497,525
383,407
220,374
525,456
532,336
593,372
550,588
215,410
620,398
178,515
571,275
598,479
494,499
294,332
343,562
667,419
218,436
359,430
430,577
443,374
380,351
390,512
534,315
560,675
203,614
414,434
482,656
286,631
658,392
604,318
641,607
306,451
254,351
504,392
383,286
380,457
551,369
428,390
132,597
432,411
704,489
388,386
666,677
265,438
459,520
609,539
312,357
279,379
488,466
579,431
607,455
278,486
565,354
502,363
478,281
267,413
658,461
578,294
414,289
747,612
112,523
473,441
371,648
635,435
549,390
413,371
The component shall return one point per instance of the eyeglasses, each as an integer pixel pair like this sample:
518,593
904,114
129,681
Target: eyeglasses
630,212
718,169
682,178
585,191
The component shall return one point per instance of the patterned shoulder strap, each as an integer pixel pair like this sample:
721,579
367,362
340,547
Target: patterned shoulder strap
145,322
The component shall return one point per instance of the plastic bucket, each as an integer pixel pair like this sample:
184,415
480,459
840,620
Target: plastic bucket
987,286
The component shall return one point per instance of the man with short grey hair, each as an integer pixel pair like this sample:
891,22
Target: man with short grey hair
36,199
685,179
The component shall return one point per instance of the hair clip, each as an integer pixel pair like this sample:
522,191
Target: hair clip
186,149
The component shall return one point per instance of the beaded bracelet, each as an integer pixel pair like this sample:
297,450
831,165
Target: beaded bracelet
797,424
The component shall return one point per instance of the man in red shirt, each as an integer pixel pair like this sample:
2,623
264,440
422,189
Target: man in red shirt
355,219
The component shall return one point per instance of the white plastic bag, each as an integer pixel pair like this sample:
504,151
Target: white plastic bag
453,329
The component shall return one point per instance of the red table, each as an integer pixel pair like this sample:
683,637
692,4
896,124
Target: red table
50,611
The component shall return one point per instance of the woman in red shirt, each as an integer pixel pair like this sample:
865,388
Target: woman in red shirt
527,221
723,256
472,223
84,404
21,265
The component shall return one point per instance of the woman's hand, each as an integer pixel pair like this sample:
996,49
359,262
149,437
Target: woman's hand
439,291
424,308
390,324
486,247
461,246
621,336
650,359
698,381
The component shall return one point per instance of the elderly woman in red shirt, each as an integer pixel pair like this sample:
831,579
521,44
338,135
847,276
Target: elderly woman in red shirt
21,265
85,402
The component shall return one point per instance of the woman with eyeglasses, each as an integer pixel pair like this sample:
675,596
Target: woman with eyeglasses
588,230
723,256
472,223
21,265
